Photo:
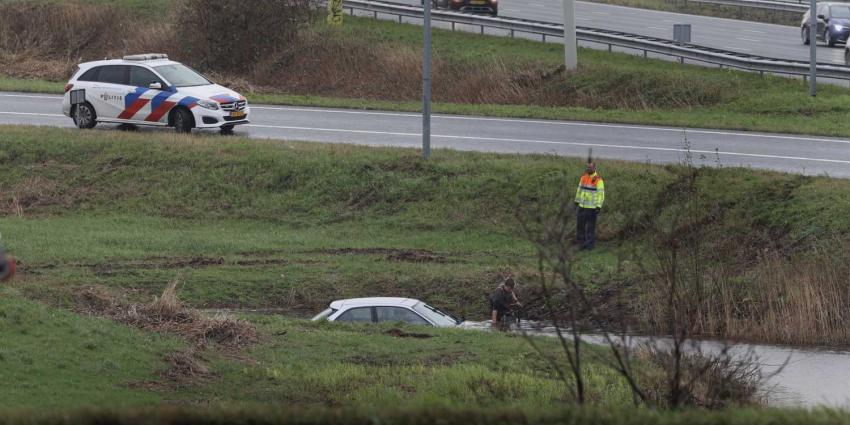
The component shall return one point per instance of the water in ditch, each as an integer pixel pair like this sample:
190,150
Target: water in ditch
810,377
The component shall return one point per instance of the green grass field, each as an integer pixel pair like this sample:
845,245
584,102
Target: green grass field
51,358
54,360
293,226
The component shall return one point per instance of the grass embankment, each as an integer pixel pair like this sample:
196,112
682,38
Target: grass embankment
51,358
376,65
462,416
292,226
54,360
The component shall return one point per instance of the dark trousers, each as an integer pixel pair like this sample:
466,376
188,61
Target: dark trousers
586,227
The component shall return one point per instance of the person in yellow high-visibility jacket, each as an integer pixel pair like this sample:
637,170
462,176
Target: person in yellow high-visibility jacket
590,196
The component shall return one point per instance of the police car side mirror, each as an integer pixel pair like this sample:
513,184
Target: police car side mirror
155,86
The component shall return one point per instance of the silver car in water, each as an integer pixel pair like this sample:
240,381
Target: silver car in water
387,309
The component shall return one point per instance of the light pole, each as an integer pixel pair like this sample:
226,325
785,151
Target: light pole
426,84
813,48
570,55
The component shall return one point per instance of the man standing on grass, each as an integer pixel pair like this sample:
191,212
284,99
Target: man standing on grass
502,302
589,198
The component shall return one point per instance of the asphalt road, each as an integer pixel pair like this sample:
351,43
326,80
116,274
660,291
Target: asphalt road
774,41
802,154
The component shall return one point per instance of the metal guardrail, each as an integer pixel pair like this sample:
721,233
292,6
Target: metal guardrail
682,52
785,6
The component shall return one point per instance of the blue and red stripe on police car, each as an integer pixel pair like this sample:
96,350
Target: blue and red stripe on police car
160,103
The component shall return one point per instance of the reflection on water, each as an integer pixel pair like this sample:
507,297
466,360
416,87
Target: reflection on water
811,377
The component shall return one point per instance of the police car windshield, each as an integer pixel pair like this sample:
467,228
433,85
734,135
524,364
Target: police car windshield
181,75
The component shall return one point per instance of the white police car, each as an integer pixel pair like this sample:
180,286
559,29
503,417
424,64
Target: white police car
150,89
387,309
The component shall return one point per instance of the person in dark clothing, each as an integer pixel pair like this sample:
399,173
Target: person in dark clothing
503,301
7,266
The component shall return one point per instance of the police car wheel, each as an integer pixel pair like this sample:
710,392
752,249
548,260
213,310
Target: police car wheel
183,121
84,116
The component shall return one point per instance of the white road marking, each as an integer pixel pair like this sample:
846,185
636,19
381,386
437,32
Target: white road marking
33,114
336,111
528,141
519,121
754,31
659,28
547,142
568,123
747,39
28,96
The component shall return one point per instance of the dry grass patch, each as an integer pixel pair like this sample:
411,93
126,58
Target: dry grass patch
168,314
65,29
185,366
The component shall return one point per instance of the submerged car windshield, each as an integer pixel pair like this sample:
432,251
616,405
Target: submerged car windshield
438,317
181,75
324,315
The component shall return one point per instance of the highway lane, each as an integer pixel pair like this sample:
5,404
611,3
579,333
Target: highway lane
775,41
801,154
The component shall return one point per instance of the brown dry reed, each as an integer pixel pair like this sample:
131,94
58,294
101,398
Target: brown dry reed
800,301
167,314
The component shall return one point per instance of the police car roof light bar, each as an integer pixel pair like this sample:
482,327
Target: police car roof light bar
146,57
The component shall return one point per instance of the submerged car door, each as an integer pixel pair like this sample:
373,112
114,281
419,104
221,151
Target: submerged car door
111,89
398,314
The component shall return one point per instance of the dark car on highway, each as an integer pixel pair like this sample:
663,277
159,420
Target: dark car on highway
474,6
833,24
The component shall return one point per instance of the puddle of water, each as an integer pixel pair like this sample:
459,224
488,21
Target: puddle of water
811,377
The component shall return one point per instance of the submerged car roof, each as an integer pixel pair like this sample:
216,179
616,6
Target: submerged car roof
149,62
375,301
